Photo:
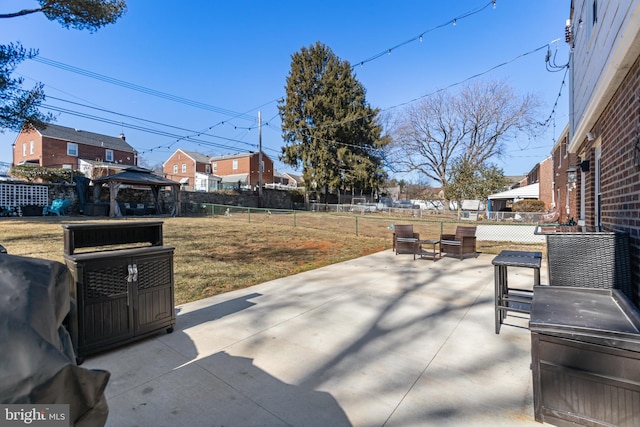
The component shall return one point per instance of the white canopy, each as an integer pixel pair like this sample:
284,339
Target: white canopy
527,192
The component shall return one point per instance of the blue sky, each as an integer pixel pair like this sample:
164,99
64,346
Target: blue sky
234,57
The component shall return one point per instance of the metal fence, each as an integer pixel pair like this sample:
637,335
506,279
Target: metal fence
491,237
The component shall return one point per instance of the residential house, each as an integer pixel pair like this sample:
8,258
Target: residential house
542,174
564,179
536,185
58,146
604,116
192,170
294,180
242,170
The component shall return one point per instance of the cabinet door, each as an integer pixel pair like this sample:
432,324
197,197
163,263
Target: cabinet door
154,292
105,309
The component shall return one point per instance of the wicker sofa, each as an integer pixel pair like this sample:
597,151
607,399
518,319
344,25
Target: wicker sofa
590,260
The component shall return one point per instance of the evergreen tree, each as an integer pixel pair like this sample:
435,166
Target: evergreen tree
19,107
328,127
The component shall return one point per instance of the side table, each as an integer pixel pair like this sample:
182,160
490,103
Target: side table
433,253
513,299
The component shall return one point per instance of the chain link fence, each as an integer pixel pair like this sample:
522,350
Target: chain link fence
492,237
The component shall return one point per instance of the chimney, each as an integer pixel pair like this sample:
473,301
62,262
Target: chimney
122,137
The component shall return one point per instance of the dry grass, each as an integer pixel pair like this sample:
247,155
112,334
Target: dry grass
213,255
223,253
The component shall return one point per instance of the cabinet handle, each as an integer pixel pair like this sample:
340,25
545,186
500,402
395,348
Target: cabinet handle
135,272
130,276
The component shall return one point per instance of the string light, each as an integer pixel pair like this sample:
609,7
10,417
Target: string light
420,36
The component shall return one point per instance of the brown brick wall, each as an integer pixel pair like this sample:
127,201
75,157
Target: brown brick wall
50,152
565,193
545,175
246,165
618,128
179,158
24,139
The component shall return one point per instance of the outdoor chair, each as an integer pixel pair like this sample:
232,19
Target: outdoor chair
405,240
58,207
461,243
590,260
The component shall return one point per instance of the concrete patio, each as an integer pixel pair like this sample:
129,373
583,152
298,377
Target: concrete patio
382,340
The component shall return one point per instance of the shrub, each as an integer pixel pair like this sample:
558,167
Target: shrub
529,206
46,175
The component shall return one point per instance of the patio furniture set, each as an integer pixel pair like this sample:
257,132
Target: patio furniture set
407,241
585,329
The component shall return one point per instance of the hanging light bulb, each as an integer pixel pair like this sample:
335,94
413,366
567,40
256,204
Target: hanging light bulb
494,4
389,52
454,22
420,38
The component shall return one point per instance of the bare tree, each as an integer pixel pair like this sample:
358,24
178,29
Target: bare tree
472,125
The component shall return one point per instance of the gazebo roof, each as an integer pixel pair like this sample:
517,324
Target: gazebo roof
138,176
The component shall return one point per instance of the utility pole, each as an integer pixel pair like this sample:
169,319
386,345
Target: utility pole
260,158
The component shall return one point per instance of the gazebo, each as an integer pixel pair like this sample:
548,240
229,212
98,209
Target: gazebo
140,177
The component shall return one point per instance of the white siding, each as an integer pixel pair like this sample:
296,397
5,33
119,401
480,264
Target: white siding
599,60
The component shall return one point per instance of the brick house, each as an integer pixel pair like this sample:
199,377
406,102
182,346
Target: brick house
536,185
192,170
564,179
542,174
293,180
242,169
604,112
58,146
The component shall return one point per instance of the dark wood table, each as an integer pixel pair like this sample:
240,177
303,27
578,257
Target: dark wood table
513,299
435,254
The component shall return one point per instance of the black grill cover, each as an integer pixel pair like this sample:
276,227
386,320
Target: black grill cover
38,364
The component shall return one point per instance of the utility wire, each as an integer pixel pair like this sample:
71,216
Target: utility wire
141,89
146,129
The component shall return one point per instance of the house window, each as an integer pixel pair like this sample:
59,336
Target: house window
184,168
175,168
32,147
207,168
235,164
108,155
592,17
215,166
24,150
72,149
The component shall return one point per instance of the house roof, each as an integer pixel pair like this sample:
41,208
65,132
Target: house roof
526,192
296,178
198,157
238,156
85,137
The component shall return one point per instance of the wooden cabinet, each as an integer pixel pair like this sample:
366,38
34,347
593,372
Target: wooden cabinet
120,295
585,349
